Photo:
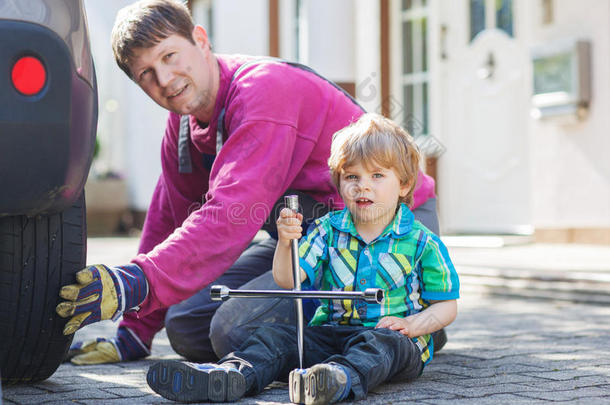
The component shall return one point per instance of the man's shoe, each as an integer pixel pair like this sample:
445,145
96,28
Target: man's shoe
440,339
190,382
320,384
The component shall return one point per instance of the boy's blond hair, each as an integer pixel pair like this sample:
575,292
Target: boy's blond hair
376,140
146,23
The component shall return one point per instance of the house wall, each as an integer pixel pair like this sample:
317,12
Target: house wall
130,124
367,69
287,29
570,172
330,38
241,26
570,164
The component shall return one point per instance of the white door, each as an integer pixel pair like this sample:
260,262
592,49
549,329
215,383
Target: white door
483,121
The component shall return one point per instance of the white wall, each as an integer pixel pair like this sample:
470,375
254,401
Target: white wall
288,33
130,124
366,43
571,167
330,39
241,26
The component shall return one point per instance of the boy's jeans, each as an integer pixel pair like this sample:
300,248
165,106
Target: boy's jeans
372,356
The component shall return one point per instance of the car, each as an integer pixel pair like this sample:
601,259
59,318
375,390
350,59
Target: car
48,121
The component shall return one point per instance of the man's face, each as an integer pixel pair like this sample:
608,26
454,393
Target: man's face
179,76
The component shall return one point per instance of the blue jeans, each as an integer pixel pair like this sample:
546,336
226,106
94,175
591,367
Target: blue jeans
372,356
203,330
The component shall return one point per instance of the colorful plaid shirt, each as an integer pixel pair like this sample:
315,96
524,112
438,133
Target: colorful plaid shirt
407,261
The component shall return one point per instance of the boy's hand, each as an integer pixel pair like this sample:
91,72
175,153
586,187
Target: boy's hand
435,317
394,323
289,226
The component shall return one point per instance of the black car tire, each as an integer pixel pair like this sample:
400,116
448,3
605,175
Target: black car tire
38,255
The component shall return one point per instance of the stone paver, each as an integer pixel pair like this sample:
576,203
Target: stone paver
495,355
501,350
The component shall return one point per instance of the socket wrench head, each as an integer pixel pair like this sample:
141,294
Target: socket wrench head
219,293
373,295
292,202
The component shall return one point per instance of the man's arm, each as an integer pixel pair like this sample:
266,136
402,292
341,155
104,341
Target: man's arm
248,176
438,315
159,222
169,206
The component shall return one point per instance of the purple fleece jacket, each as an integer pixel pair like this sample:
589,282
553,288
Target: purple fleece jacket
279,122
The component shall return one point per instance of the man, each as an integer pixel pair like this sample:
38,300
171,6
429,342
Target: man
257,129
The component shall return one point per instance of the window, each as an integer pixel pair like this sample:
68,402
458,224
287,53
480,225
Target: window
414,70
501,16
504,16
477,17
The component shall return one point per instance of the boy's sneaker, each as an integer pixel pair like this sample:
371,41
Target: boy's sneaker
296,385
190,382
320,384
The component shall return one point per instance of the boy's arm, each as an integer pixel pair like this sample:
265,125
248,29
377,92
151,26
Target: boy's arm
440,287
438,315
288,228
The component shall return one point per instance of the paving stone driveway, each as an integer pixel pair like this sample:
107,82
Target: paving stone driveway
500,350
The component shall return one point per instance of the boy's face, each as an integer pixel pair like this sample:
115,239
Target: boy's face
178,75
371,193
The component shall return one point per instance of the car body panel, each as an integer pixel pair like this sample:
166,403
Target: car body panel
46,140
66,18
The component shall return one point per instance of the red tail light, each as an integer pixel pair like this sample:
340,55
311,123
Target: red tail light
29,75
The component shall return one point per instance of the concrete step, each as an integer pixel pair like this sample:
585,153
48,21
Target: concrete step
576,286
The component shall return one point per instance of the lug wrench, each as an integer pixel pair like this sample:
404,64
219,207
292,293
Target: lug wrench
223,293
292,202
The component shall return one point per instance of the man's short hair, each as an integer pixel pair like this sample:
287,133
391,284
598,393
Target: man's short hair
146,23
376,140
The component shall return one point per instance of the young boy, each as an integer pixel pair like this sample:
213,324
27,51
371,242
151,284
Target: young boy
350,346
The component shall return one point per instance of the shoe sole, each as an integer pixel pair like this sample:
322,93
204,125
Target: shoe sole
179,382
310,386
296,387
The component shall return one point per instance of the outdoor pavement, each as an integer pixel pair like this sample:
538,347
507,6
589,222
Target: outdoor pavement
521,336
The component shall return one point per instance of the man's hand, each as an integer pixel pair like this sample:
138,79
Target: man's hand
101,293
98,351
394,323
126,346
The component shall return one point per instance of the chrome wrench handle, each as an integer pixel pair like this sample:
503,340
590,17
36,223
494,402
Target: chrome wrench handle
292,202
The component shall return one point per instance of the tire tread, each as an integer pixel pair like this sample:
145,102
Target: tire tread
37,256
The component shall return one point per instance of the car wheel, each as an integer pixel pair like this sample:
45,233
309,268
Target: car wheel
37,256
